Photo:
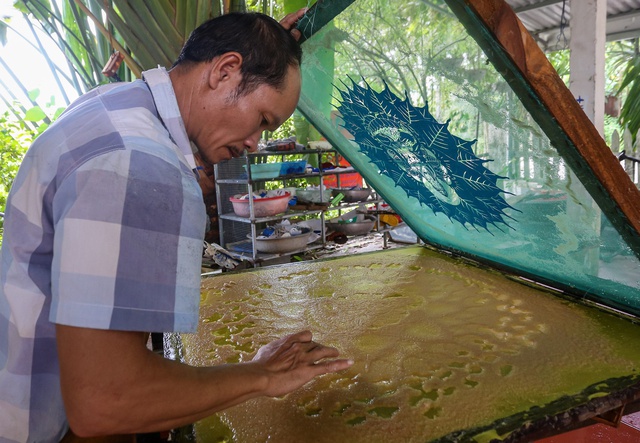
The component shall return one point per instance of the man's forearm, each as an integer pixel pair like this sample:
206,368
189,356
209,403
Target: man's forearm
113,384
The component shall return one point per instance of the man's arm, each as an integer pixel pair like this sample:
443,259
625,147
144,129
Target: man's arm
112,384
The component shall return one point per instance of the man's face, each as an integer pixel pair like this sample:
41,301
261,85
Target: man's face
237,123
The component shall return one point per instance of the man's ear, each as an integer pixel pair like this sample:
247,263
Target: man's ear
225,68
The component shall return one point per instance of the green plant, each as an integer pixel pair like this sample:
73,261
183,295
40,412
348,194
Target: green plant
287,129
17,132
14,138
630,85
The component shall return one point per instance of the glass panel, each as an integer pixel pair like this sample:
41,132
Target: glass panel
410,99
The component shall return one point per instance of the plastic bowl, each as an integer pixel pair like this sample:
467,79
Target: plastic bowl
352,195
313,195
282,245
353,228
262,207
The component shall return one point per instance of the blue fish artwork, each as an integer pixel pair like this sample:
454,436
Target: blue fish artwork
422,157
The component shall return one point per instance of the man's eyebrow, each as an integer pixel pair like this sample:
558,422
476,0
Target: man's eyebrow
275,120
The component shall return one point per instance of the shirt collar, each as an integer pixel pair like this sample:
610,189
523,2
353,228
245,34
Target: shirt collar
165,99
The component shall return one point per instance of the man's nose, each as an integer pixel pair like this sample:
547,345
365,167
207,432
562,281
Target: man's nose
251,143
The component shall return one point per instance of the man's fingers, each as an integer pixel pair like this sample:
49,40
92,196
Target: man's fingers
290,20
310,352
299,351
300,337
325,367
318,352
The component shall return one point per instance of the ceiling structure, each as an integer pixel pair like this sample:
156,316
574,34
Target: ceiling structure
548,20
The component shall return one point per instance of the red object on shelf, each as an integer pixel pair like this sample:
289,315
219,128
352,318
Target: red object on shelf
348,180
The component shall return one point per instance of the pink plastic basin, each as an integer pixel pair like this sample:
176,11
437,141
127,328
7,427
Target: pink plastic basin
262,207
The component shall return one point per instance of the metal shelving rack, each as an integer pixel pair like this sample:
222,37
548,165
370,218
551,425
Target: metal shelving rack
238,234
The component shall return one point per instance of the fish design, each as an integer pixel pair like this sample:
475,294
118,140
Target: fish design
422,157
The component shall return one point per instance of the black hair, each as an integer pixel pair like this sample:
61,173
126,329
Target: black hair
267,49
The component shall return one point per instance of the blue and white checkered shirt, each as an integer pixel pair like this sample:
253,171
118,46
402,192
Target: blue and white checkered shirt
103,229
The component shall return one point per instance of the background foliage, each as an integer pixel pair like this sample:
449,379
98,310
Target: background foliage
87,32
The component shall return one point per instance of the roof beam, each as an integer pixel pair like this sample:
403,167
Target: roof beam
534,6
619,27
623,26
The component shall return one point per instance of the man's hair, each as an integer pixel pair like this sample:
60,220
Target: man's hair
267,49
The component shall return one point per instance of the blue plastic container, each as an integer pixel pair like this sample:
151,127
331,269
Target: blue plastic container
294,167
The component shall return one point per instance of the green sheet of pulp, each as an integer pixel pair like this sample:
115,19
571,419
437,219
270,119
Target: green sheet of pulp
440,346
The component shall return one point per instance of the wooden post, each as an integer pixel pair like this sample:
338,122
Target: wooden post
586,83
588,38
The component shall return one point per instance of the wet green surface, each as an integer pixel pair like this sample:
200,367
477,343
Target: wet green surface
440,346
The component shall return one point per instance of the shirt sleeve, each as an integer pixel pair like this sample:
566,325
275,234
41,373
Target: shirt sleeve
128,237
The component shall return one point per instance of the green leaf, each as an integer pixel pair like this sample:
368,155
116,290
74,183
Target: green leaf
145,44
34,94
41,10
20,6
162,23
203,12
57,113
35,114
51,102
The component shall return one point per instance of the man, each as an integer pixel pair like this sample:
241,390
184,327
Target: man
103,243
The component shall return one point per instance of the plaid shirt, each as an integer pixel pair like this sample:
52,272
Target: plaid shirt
104,229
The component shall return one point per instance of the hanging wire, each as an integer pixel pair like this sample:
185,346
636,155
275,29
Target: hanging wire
563,26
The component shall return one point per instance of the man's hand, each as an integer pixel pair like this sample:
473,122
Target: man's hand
112,384
290,20
294,360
